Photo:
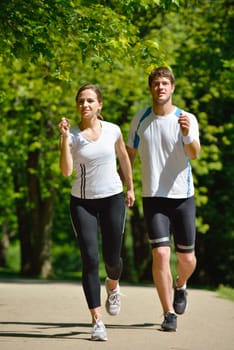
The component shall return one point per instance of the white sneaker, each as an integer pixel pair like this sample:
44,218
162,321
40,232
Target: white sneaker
113,302
99,331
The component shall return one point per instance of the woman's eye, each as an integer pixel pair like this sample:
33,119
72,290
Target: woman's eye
83,101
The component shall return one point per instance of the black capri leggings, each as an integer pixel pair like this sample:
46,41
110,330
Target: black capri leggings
164,215
86,215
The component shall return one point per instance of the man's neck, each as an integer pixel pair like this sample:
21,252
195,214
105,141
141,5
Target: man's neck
163,109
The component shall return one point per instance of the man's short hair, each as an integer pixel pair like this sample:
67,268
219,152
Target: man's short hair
161,72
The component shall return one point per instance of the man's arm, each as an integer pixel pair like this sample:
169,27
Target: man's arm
192,147
132,154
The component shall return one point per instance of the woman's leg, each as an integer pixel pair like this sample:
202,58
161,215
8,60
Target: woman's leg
112,222
84,221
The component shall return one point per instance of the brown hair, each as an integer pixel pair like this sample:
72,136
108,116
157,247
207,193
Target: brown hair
161,72
97,91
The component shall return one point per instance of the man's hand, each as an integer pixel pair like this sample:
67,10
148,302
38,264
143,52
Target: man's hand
184,123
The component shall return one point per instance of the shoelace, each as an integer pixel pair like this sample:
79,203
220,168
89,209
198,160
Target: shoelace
181,294
97,324
114,298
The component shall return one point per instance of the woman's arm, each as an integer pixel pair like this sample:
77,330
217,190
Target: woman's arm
126,170
66,161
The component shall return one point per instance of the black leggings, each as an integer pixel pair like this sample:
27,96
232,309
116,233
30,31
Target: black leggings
86,214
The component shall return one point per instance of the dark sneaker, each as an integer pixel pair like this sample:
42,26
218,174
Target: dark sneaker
180,300
170,322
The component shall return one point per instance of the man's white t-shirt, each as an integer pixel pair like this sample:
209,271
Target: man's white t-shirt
166,170
95,164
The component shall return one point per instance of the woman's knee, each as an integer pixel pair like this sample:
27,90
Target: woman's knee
90,263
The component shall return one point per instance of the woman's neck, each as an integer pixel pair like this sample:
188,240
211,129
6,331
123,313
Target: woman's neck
91,130
92,124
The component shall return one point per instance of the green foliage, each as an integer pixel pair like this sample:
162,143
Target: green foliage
13,257
50,48
205,60
97,31
226,292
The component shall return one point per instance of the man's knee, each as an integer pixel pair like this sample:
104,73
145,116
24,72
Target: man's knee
188,259
161,254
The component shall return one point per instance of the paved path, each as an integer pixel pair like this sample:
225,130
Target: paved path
53,315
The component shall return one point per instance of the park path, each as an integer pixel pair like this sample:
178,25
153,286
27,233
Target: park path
38,315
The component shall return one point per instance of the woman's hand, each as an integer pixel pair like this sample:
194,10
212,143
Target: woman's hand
130,198
64,126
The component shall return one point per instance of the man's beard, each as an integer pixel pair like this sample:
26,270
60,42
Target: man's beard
162,102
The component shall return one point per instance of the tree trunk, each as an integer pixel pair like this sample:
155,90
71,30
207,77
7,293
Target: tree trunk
4,243
34,223
41,220
141,247
22,213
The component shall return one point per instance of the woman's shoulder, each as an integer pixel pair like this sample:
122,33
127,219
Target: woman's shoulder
110,126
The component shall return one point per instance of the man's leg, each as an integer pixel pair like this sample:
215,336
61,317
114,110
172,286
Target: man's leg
158,225
162,277
163,282
186,265
184,237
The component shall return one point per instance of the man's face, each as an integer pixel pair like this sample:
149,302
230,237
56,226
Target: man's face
161,90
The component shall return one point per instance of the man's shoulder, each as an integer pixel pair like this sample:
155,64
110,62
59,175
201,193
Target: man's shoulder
142,114
145,110
178,109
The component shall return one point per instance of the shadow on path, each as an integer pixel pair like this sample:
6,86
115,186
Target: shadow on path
39,326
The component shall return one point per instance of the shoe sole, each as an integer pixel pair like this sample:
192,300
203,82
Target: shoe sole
181,313
98,339
168,330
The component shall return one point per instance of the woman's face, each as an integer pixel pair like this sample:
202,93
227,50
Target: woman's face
88,105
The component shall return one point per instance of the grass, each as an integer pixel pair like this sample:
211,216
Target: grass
226,292
13,262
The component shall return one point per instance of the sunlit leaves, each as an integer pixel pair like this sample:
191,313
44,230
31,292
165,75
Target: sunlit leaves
96,31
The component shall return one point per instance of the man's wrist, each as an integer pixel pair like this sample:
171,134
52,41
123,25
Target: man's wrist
188,139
